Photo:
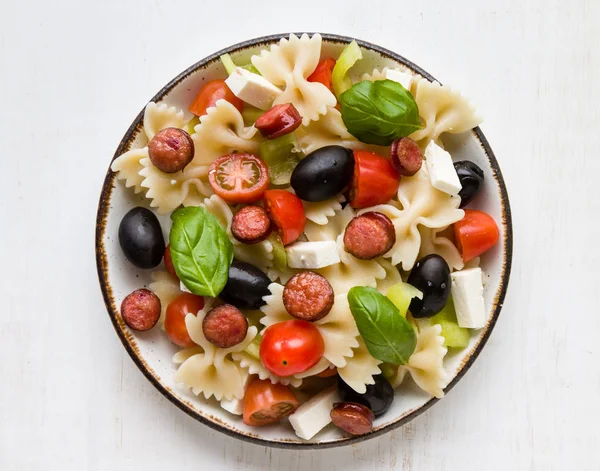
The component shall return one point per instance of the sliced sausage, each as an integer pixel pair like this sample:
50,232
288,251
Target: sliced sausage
406,156
369,235
225,326
278,121
141,309
251,224
352,417
171,149
308,296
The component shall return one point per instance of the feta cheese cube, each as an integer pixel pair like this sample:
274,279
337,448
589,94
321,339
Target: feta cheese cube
442,174
312,416
403,78
252,88
467,294
312,254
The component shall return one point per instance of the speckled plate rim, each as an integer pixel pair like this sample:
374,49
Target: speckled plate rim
102,261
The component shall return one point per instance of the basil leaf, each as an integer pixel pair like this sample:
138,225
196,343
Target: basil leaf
379,112
388,336
201,251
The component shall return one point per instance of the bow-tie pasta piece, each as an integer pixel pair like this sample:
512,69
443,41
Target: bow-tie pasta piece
211,372
320,212
442,109
161,116
405,77
128,167
255,367
426,364
392,276
432,242
420,204
166,287
337,328
288,65
360,369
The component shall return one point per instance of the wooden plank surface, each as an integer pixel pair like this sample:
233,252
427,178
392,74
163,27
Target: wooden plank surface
73,74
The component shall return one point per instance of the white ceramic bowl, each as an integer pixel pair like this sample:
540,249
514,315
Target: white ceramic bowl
152,351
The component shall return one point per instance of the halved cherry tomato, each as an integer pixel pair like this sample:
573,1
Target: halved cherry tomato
287,213
374,182
168,261
475,233
291,347
239,178
212,92
322,73
177,309
265,403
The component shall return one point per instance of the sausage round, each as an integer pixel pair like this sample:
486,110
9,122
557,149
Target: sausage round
369,235
308,296
141,309
225,326
352,417
406,156
251,224
171,149
278,121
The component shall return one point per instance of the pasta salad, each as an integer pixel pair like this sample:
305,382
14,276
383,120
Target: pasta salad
321,247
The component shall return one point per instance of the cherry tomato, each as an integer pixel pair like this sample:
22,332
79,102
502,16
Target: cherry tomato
291,347
374,181
177,309
265,403
168,261
212,92
287,213
239,178
475,233
322,73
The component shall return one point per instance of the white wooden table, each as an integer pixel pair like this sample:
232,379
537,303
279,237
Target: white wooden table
74,73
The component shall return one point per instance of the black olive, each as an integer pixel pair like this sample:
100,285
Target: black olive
323,173
471,179
245,286
430,275
141,238
378,397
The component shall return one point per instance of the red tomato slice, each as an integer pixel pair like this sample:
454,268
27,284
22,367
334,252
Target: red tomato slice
212,92
374,182
239,178
265,403
177,309
475,233
287,213
322,73
291,347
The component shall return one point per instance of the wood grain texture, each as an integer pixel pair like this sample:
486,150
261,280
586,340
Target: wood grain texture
74,73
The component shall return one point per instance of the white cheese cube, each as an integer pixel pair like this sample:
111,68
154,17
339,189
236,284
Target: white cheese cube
183,288
467,294
312,255
312,416
252,88
403,78
442,174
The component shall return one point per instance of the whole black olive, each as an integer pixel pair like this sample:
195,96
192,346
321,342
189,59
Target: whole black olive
245,286
323,173
430,275
471,179
378,397
141,238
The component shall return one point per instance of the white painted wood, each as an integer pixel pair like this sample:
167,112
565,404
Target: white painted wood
73,74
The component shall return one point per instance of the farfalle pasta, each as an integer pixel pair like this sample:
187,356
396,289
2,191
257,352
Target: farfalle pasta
291,219
288,65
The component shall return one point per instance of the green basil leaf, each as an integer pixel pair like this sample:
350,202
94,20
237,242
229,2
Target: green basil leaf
379,112
388,336
201,251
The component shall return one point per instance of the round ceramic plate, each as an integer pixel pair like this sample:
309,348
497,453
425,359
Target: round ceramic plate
152,351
